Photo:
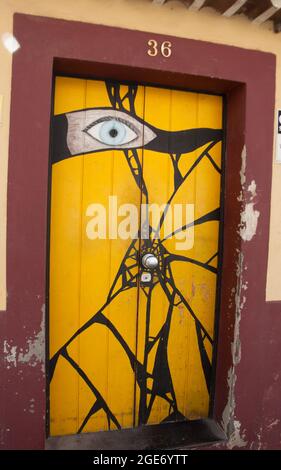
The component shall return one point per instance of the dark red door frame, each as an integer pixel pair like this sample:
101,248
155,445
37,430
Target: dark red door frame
247,78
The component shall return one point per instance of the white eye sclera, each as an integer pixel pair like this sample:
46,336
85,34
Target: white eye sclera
105,129
112,132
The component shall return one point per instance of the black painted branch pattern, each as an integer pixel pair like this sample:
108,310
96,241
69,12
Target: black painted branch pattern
101,402
175,144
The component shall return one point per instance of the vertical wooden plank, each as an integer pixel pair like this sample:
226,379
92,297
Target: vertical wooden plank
65,235
123,312
183,116
156,173
102,355
95,265
207,199
197,183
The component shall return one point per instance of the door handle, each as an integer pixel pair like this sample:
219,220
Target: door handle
149,261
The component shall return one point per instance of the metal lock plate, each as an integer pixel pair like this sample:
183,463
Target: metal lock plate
146,277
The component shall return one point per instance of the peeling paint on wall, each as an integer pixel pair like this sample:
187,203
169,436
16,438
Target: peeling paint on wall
249,222
10,354
252,189
230,406
34,351
240,300
259,438
247,230
273,423
242,173
236,439
243,166
249,216
231,425
248,227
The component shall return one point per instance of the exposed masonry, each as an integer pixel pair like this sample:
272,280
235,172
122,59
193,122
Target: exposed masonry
231,425
259,438
34,351
249,215
249,222
247,230
243,166
10,354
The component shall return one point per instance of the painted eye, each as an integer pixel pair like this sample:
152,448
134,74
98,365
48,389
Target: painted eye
113,132
95,129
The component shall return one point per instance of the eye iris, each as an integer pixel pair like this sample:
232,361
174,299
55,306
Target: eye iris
113,132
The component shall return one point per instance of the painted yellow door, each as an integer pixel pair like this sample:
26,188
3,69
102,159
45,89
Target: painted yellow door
135,171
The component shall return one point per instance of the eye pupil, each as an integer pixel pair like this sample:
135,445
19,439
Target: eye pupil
113,132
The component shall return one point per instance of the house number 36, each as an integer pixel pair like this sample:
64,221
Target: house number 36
165,48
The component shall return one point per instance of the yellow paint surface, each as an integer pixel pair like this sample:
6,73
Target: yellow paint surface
82,270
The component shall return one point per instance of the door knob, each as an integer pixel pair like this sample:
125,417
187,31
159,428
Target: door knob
149,261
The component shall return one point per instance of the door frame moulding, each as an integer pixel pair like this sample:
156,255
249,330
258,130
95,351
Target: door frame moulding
242,76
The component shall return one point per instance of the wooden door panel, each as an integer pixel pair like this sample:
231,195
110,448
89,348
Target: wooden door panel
122,352
190,178
82,271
